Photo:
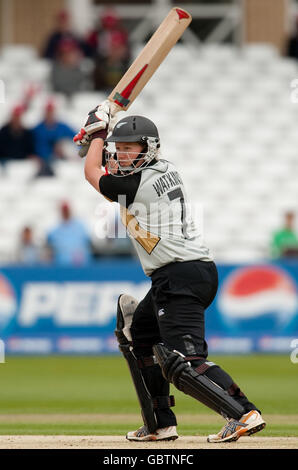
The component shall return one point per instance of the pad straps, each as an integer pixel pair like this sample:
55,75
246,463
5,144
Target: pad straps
203,366
147,361
159,402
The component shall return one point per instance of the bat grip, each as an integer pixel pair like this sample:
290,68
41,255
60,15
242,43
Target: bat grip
84,150
115,108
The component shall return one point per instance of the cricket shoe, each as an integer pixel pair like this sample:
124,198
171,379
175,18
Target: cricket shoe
162,434
248,424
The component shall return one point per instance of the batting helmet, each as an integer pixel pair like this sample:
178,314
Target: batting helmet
134,129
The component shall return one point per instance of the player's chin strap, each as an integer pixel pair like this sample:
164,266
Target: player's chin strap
126,308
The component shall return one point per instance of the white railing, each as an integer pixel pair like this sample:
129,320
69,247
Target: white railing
230,15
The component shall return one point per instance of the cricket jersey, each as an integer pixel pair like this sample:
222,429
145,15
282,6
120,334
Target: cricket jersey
157,214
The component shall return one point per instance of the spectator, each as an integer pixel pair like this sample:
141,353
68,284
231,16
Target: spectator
112,235
16,142
47,135
69,242
68,72
61,32
292,46
118,242
285,241
109,43
28,252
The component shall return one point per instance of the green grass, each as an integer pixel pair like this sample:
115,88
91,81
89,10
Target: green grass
91,385
121,429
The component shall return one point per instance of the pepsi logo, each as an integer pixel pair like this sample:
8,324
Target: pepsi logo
8,302
251,292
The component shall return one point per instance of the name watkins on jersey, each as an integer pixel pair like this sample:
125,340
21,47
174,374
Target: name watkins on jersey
167,181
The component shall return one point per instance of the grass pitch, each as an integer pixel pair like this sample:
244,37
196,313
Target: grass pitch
95,396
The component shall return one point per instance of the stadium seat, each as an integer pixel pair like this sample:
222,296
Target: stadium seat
23,170
38,71
8,246
218,53
85,101
11,189
6,72
227,122
71,171
259,53
18,54
48,188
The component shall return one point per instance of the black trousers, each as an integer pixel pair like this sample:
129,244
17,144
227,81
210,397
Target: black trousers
173,312
174,308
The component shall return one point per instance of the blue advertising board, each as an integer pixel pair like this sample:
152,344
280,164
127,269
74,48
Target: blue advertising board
49,309
255,310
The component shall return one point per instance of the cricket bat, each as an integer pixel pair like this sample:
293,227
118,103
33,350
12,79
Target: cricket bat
149,59
147,62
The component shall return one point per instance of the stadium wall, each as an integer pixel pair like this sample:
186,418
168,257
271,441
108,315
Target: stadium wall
28,22
265,21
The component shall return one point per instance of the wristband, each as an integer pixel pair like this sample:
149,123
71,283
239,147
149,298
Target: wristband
102,133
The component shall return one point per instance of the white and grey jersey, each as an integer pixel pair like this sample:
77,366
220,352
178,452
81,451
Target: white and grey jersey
159,220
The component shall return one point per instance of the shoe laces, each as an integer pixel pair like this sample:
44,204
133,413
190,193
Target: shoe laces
231,426
142,431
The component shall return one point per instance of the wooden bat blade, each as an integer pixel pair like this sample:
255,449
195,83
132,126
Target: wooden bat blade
149,59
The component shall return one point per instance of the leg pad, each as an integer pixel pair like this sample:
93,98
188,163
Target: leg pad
179,372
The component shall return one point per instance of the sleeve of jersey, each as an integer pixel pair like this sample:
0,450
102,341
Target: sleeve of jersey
122,190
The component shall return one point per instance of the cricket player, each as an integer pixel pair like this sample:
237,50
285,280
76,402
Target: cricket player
163,336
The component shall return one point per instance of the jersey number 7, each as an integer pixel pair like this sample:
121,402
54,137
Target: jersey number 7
178,194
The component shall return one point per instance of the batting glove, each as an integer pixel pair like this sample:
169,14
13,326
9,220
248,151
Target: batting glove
98,118
96,125
82,138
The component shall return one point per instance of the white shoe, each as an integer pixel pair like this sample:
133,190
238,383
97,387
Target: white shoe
248,424
163,434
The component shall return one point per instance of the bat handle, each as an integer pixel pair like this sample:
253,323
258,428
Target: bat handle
84,150
115,108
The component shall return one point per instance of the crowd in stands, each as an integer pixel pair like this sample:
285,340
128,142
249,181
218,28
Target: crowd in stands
95,62
285,240
16,142
106,48
40,143
68,243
